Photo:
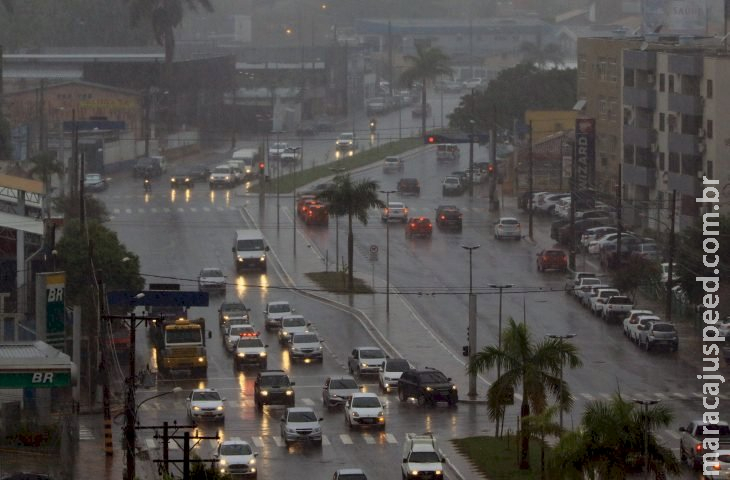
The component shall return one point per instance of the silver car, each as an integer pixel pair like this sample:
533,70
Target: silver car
507,227
300,424
392,370
337,389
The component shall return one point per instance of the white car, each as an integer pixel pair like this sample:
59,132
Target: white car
476,82
584,287
633,317
277,148
94,182
291,324
665,272
236,458
274,312
305,346
250,350
364,360
211,279
597,245
643,320
364,409
391,164
395,211
595,233
206,404
234,332
301,424
588,295
507,227
602,295
392,370
547,202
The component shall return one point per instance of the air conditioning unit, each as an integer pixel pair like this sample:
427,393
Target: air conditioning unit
650,79
701,133
654,147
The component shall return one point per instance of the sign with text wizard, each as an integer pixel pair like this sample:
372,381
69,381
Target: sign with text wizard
50,308
585,153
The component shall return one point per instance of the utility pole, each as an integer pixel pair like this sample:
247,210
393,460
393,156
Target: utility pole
619,216
186,448
670,268
108,446
390,59
74,175
471,152
529,183
573,200
472,328
493,202
146,122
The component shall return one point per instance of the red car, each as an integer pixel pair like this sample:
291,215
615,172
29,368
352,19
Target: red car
419,226
317,214
552,259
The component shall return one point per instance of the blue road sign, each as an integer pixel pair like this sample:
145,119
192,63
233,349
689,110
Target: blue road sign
158,298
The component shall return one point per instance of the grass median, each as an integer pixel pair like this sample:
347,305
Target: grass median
336,282
498,458
293,179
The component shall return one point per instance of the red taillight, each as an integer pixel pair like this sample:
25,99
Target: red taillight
310,213
545,258
413,225
443,217
716,466
698,447
387,210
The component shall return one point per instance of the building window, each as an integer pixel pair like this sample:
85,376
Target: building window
708,94
671,83
673,162
613,72
661,121
604,161
691,165
710,173
661,82
629,154
710,128
661,160
628,77
672,123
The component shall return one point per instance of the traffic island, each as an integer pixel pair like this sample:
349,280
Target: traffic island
499,458
336,282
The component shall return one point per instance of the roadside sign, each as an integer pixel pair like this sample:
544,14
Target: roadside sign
35,379
158,298
373,257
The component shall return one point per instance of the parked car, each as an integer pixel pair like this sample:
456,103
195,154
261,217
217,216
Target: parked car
595,234
546,203
616,307
641,321
657,335
633,318
602,295
552,259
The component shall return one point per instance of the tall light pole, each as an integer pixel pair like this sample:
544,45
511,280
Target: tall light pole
278,176
471,332
499,333
338,171
561,338
387,251
646,404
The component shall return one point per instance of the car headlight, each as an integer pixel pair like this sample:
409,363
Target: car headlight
355,414
453,387
240,258
225,317
241,355
211,178
414,473
196,408
429,389
173,180
264,393
223,470
438,472
290,430
319,348
223,461
201,359
262,354
284,334
187,179
363,364
380,414
219,408
289,393
262,258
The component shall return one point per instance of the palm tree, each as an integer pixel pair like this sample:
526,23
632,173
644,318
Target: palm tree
610,442
541,426
44,165
427,64
354,199
536,366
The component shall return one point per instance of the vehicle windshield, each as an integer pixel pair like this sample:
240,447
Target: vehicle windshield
433,377
275,381
185,335
396,366
235,331
343,384
250,245
293,322
233,308
424,457
205,397
246,342
509,221
664,327
236,449
278,146
222,170
372,353
591,281
93,177
352,476
346,136
279,308
298,417
366,402
211,272
305,339
616,300
722,430
451,180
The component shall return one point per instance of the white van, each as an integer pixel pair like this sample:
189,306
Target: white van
246,160
249,250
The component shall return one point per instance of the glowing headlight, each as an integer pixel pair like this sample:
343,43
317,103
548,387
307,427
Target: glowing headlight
262,354
223,462
241,355
284,334
223,470
187,179
211,178
201,359
264,393
363,365
219,408
225,317
289,393
252,461
438,472
227,177
414,473
173,180
262,258
355,414
196,408
429,389
380,414
240,259
453,387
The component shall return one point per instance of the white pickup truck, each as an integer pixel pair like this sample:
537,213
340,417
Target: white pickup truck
690,441
616,307
421,457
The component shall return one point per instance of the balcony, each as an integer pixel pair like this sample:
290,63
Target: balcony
640,97
684,184
686,104
684,144
636,175
686,65
639,137
639,60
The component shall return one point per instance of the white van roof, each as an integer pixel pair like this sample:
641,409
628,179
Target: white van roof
249,234
245,153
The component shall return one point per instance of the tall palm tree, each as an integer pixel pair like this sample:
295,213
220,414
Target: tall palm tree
540,426
427,64
610,442
535,366
43,166
354,199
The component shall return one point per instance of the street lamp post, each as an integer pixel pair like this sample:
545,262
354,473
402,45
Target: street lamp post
471,332
499,330
337,170
561,338
387,251
646,404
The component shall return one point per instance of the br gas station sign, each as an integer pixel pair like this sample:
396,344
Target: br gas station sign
35,379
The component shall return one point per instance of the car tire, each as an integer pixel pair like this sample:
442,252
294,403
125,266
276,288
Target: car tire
402,395
352,372
421,400
259,405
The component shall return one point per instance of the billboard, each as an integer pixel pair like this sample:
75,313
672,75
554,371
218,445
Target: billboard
682,17
585,153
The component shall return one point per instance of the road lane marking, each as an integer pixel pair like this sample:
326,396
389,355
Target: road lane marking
607,396
180,210
390,438
140,210
153,210
166,210
193,209
660,395
128,211
680,396
587,396
206,209
258,441
277,440
368,439
308,402
325,440
345,439
672,434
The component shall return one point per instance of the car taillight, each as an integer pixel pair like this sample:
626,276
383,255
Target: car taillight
716,466
443,217
544,258
310,213
413,225
387,210
698,447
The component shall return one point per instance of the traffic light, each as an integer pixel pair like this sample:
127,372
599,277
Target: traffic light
434,139
262,166
490,169
465,350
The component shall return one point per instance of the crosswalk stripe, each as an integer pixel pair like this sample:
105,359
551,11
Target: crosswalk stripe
587,396
660,395
128,210
140,210
206,209
308,402
193,209
325,440
180,210
166,210
390,438
258,441
346,439
672,434
368,438
116,211
151,444
680,396
153,210
278,441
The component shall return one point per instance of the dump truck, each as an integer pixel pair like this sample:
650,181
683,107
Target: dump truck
180,344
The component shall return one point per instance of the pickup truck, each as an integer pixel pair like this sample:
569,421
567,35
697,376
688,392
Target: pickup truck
583,287
599,301
616,307
690,441
574,279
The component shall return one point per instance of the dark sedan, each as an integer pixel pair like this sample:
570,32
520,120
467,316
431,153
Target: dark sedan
181,179
199,172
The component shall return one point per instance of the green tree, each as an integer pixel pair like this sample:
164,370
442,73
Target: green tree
639,271
426,65
111,257
535,366
43,166
541,426
354,199
610,442
514,91
69,207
